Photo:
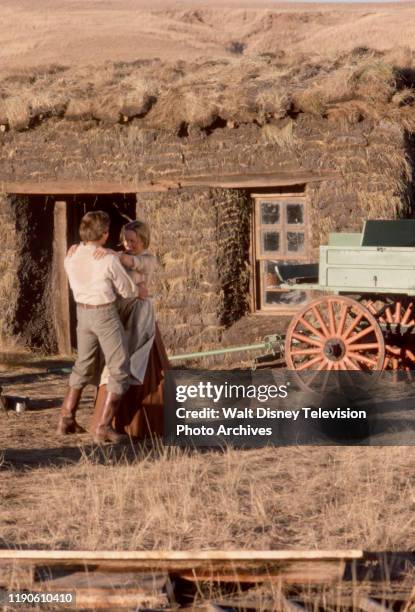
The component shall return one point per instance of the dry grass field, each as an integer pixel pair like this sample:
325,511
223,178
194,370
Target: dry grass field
68,493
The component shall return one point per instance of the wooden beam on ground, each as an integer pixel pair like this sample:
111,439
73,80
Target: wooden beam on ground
229,181
243,566
82,556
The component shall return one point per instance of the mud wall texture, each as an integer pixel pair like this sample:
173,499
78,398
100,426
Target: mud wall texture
369,159
9,260
201,238
201,235
26,300
187,284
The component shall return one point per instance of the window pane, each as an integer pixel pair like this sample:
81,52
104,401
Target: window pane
295,242
271,279
272,295
270,213
271,241
295,214
285,298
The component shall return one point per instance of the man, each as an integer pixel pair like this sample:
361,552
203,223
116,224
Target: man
95,283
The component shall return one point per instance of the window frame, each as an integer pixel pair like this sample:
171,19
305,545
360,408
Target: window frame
258,256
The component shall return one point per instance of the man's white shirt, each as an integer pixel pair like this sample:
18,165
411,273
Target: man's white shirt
97,281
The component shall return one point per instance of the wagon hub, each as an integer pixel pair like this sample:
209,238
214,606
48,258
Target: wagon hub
334,349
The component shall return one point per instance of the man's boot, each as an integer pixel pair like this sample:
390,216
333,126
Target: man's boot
103,431
67,423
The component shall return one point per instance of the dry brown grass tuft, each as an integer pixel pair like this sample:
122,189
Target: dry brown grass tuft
16,111
283,137
273,102
311,100
375,81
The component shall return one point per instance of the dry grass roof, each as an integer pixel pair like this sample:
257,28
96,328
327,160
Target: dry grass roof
351,86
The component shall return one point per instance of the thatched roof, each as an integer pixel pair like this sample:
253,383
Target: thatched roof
352,86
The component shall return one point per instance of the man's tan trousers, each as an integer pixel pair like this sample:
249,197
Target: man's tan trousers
101,327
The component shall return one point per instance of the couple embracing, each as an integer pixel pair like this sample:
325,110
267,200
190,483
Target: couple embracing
119,347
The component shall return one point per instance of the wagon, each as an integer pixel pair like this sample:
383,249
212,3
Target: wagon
362,316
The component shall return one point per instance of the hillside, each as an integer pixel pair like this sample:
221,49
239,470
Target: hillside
72,32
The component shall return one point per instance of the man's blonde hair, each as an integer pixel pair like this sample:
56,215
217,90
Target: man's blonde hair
140,228
94,225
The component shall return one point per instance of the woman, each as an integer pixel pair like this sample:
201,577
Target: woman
141,410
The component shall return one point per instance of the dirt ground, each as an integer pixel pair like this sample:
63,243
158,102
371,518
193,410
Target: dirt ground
82,32
30,438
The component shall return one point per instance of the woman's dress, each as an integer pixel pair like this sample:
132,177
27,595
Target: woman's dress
141,411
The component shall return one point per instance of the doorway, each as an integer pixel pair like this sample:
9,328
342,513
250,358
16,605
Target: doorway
68,212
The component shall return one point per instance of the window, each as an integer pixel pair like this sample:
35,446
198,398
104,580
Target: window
281,239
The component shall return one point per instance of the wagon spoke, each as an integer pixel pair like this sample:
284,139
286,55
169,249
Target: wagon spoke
352,365
306,339
310,351
309,364
363,359
317,372
407,314
320,320
326,377
359,335
353,325
398,312
311,328
342,321
332,321
351,357
393,350
410,354
363,347
370,306
388,314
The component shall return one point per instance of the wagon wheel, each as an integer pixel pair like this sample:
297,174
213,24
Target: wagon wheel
334,333
397,318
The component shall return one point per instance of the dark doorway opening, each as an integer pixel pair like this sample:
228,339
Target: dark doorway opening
42,309
120,207
68,213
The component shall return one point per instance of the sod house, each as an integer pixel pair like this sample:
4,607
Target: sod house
236,165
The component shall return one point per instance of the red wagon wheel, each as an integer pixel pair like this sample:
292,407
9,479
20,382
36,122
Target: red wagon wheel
398,317
334,333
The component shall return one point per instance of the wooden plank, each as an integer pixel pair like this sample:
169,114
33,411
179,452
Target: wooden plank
78,556
246,181
96,599
287,572
60,286
139,582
